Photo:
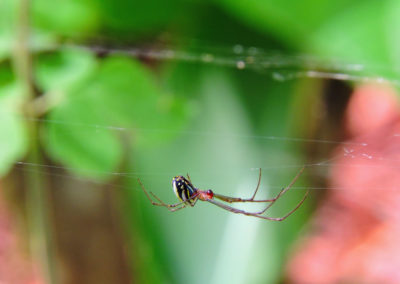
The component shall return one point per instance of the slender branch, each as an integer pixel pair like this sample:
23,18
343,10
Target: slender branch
37,192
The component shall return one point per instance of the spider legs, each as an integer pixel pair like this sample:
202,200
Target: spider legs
284,190
257,214
209,196
236,199
272,201
170,207
189,177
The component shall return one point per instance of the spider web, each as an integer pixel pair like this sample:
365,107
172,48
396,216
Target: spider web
276,65
273,64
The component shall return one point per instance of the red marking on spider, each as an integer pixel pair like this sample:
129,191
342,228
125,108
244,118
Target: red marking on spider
205,195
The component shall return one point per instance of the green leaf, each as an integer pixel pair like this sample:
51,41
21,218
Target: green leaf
357,35
137,17
87,151
13,137
73,137
60,71
291,21
128,91
133,100
120,93
356,32
8,10
391,27
67,17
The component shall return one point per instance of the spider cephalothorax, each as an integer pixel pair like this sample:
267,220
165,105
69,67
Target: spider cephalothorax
188,195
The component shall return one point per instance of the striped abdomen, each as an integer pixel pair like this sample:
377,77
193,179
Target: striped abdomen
183,189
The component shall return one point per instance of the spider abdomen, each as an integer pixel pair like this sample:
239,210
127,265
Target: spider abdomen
183,189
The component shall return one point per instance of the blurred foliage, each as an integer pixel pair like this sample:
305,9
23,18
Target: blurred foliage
110,113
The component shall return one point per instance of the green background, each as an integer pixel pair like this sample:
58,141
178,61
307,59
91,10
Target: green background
112,117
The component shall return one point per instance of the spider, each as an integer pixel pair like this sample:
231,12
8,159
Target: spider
189,195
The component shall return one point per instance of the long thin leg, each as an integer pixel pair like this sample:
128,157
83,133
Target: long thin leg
189,177
284,190
230,199
236,199
293,210
176,209
238,211
258,185
195,198
162,203
170,207
159,200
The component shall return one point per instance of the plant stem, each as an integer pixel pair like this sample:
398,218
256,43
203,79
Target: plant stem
37,192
